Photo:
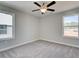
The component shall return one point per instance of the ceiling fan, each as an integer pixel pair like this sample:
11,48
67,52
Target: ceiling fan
44,7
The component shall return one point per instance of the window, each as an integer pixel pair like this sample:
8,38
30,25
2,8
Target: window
6,23
71,26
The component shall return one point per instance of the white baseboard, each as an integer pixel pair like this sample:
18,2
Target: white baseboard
71,45
14,46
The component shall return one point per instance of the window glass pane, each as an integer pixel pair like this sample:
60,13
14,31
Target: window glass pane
3,29
71,25
3,26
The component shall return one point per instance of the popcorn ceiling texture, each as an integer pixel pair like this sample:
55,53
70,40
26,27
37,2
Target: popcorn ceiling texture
41,49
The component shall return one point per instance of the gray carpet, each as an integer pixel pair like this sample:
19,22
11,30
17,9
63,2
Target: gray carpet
41,49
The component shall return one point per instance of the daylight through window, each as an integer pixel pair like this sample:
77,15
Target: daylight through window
71,26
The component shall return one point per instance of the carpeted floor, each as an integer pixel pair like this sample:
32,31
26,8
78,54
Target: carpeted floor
41,49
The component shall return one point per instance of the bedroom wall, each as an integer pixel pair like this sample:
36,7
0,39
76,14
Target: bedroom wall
51,29
26,29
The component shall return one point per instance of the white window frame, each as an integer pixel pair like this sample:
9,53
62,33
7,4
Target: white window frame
13,24
71,37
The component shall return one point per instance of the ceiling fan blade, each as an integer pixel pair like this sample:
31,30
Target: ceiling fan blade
53,2
51,10
35,10
37,4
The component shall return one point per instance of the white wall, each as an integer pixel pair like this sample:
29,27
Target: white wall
51,29
26,29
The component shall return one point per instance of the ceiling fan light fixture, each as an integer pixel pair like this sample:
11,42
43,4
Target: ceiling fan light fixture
43,10
44,7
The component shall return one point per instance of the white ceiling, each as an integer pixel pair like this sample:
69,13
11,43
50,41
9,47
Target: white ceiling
28,6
